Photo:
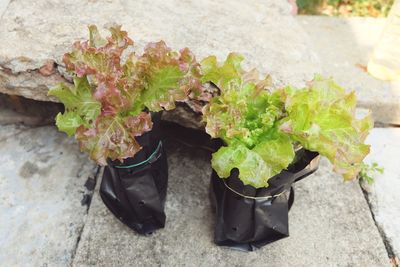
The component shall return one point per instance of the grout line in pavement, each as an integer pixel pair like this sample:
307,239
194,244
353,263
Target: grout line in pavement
388,246
97,172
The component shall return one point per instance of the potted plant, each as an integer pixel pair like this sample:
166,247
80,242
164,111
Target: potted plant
269,140
114,110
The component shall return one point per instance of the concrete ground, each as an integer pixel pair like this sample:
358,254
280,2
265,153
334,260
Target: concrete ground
384,193
330,225
43,181
43,200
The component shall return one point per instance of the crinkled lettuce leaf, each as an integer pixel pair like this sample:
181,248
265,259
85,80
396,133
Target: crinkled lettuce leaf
113,137
253,170
222,75
80,106
168,76
244,110
276,151
256,166
104,108
68,122
260,127
244,115
154,80
321,117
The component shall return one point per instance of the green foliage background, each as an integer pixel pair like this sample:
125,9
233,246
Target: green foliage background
364,8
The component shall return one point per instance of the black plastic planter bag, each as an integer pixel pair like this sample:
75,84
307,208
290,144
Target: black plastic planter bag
248,218
135,190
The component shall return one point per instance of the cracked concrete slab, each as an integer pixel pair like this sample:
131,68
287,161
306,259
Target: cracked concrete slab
42,177
330,225
35,34
344,45
384,194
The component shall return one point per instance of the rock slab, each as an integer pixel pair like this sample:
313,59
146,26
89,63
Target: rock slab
330,225
42,176
37,34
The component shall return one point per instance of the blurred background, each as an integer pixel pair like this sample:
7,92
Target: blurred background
362,8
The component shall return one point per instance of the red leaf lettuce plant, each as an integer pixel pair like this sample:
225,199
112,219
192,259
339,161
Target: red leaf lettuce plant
106,108
262,127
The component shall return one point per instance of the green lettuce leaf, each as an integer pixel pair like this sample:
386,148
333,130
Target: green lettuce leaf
222,75
80,106
256,166
260,127
245,116
321,118
253,170
277,153
68,122
239,112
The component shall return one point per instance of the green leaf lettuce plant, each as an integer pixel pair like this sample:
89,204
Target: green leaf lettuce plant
263,128
110,101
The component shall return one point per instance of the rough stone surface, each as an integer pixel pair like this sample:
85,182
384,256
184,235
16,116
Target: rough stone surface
41,187
3,6
384,195
36,33
330,225
30,84
344,45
